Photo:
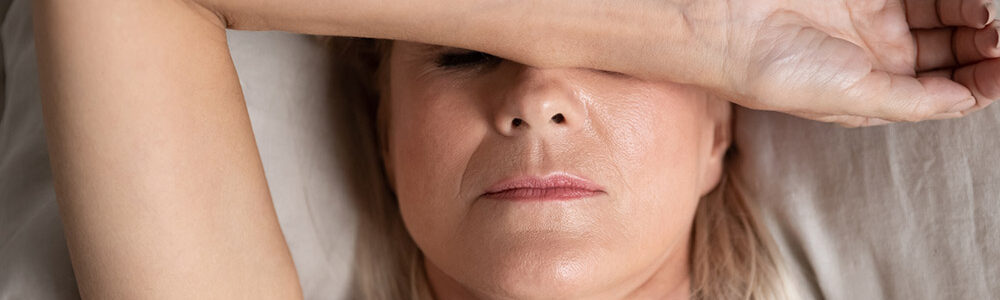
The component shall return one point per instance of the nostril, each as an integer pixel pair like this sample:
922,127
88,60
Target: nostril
558,118
517,122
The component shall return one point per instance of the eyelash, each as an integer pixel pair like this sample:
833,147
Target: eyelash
466,59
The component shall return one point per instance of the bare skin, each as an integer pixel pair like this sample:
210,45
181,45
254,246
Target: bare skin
160,185
654,149
852,62
161,189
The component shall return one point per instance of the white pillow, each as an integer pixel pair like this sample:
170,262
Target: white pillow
897,212
308,150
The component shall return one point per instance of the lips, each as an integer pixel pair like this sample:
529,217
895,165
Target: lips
553,187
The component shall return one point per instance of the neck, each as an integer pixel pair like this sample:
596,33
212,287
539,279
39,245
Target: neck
670,279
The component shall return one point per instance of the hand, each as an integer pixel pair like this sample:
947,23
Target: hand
864,62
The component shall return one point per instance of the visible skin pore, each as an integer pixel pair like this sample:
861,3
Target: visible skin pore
656,148
160,186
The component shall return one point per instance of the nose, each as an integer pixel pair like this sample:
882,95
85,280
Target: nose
541,101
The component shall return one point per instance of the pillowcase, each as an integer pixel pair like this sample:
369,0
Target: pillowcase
309,151
905,211
34,262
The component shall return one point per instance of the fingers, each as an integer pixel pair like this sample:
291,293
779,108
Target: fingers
905,98
942,13
950,47
982,80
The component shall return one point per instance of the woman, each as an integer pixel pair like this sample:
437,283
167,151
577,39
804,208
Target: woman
556,183
161,190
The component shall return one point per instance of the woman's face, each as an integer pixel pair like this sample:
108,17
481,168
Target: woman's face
517,181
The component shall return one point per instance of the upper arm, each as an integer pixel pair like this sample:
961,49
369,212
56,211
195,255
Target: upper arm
159,182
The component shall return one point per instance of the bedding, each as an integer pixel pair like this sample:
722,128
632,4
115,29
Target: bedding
34,263
907,211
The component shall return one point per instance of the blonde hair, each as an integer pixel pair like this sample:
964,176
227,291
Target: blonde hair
732,256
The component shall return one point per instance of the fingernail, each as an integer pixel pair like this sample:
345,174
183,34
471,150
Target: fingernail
988,37
992,36
995,37
983,15
963,105
990,10
987,41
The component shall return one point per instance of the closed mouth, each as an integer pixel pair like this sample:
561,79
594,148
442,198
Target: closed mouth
558,186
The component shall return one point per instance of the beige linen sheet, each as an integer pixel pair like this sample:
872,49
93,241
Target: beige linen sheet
907,211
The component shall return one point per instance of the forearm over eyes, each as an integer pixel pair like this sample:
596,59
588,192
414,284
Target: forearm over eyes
675,40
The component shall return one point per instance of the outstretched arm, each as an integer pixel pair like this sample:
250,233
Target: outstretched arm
160,186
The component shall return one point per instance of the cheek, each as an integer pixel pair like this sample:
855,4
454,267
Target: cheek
655,134
433,132
640,141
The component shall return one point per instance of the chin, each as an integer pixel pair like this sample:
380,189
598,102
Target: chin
547,268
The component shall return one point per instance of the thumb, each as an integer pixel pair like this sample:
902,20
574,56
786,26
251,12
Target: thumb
897,97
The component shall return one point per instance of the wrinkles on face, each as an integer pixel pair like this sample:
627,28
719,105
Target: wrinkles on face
455,131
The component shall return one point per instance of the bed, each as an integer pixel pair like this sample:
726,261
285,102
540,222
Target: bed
906,211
